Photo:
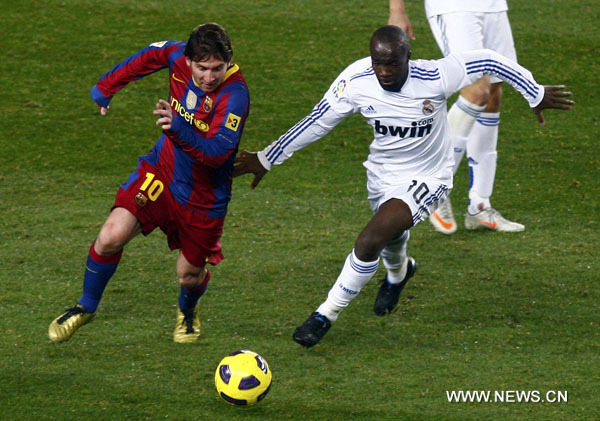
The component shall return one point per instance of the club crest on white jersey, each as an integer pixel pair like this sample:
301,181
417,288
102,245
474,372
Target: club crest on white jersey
428,107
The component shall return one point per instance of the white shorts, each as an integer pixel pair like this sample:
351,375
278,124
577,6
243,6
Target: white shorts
422,195
463,31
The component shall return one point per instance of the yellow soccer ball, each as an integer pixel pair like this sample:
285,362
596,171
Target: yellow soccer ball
243,378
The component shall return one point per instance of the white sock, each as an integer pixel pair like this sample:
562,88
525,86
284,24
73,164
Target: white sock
482,155
354,276
477,203
395,258
461,118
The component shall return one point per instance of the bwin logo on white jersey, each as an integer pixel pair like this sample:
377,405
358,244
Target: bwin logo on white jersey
417,129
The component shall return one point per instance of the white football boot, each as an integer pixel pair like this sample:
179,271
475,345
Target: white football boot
491,219
443,219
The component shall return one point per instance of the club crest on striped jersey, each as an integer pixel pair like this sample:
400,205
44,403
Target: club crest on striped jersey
191,100
207,104
141,199
428,107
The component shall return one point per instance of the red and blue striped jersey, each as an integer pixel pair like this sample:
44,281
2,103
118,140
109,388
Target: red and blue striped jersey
195,157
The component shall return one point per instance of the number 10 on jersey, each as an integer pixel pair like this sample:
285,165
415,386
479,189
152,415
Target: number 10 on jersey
152,187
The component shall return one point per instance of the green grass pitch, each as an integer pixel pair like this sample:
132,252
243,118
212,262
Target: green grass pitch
485,312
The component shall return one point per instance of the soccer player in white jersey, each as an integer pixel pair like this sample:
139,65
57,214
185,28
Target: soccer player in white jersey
409,167
463,25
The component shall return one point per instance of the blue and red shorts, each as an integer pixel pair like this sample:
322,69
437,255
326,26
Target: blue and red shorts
148,197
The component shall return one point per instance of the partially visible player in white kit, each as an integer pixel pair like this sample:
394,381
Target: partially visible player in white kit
463,25
409,167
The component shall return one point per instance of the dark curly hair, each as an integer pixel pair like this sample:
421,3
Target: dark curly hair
209,39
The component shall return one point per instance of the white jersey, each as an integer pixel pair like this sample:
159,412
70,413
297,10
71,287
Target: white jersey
410,127
440,7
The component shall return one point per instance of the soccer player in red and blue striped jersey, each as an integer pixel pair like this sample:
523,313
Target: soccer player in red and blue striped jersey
183,185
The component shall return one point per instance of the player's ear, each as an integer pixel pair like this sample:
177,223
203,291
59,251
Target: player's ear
188,61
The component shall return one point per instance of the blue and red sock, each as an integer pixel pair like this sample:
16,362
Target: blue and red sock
98,271
188,297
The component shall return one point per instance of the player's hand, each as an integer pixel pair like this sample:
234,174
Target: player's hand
554,97
103,110
163,109
247,162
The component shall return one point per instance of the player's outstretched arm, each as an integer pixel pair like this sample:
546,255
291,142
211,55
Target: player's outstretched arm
248,162
399,17
323,118
554,97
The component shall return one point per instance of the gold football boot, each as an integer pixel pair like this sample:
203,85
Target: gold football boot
65,325
187,328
